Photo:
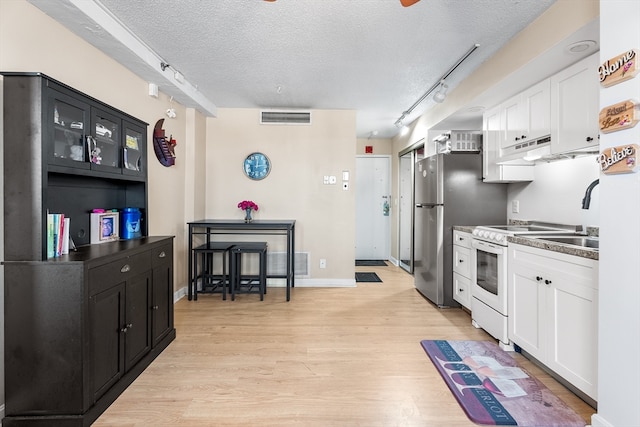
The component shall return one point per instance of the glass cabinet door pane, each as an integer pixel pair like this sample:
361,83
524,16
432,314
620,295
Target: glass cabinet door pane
68,131
104,145
133,145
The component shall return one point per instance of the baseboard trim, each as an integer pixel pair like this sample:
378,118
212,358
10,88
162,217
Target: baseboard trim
281,283
598,421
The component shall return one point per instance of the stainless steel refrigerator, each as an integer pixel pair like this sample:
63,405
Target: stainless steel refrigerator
449,191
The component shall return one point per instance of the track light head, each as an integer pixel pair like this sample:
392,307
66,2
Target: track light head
441,94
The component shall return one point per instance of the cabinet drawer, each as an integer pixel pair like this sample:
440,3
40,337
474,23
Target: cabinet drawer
108,275
162,254
462,290
462,261
461,238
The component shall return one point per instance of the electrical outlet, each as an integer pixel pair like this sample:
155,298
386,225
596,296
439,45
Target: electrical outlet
323,263
515,206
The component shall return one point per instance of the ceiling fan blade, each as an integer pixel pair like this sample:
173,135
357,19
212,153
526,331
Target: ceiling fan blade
407,3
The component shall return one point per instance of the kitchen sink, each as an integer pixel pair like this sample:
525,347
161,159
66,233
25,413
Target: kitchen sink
582,241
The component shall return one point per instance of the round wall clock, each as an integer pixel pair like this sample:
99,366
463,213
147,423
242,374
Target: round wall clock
256,166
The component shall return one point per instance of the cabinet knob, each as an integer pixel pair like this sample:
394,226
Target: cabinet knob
460,290
538,278
589,139
126,328
523,137
155,307
125,268
547,282
460,261
162,255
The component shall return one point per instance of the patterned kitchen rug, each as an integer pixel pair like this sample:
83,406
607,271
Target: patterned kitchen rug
493,390
367,277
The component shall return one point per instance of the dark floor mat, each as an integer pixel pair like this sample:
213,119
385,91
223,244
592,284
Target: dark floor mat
367,277
370,263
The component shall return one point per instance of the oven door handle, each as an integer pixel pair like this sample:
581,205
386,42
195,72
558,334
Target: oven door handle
487,247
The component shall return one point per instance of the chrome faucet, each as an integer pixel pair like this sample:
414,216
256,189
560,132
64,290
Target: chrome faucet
587,195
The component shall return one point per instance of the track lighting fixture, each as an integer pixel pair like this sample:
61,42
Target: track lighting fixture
176,74
441,94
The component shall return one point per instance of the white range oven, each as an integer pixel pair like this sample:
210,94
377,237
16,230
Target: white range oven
489,285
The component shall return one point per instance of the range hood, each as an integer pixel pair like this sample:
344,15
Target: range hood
526,152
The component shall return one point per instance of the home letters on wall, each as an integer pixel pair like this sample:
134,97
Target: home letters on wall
620,159
622,115
616,70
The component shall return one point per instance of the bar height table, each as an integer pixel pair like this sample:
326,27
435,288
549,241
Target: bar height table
210,227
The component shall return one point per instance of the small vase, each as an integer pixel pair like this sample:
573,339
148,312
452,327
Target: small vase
247,217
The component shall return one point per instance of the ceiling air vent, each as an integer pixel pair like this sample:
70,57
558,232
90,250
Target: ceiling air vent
285,117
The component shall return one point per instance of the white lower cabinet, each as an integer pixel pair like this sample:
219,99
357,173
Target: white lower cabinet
553,312
462,268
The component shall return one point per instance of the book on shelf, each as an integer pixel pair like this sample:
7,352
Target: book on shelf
57,235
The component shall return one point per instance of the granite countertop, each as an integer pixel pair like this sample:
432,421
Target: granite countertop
555,247
464,228
550,246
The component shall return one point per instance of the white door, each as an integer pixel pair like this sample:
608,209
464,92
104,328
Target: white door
373,207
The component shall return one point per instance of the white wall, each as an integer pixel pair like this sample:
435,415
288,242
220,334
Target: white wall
556,193
619,319
300,155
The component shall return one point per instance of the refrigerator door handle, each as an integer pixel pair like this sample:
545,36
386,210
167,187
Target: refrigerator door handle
426,205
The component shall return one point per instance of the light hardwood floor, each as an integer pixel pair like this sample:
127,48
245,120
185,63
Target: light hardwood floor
329,357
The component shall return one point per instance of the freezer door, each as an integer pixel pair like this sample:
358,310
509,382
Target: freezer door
428,180
428,252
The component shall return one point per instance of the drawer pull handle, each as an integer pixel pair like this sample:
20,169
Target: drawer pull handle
162,255
125,268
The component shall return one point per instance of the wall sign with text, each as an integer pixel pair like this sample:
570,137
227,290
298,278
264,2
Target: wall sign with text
620,116
620,159
616,70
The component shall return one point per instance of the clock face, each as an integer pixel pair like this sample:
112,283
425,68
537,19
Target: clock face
257,166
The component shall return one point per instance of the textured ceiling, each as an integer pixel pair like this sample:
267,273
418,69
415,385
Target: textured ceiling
372,56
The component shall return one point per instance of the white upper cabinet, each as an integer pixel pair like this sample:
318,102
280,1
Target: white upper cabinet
536,102
574,107
527,115
493,136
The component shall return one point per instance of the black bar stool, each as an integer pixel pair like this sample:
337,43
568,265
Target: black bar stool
211,282
245,283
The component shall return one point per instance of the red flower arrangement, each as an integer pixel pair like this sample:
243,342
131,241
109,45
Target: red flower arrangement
247,204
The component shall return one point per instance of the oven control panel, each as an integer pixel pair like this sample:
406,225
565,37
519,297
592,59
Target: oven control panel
490,236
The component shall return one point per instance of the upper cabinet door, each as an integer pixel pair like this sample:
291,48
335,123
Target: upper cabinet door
536,104
512,121
134,150
67,120
104,142
574,107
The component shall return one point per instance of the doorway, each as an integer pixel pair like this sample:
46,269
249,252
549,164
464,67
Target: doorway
373,207
406,161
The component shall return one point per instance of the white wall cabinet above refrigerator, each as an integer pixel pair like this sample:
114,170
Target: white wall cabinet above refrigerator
574,107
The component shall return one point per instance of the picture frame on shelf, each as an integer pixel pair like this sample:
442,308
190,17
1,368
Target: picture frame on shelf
105,227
